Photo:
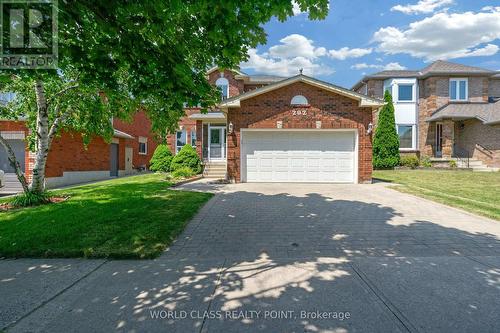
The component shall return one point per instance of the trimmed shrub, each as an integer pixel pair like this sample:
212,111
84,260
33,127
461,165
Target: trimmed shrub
386,139
426,162
160,162
186,157
453,164
183,172
409,161
31,199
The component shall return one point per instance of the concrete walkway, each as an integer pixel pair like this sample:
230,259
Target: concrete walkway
280,258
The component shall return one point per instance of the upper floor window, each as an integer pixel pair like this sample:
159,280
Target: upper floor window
223,85
459,89
299,100
405,92
143,145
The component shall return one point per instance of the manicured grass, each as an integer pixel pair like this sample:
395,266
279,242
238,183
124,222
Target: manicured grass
476,192
134,217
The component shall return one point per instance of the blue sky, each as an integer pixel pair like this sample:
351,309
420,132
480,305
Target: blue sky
364,36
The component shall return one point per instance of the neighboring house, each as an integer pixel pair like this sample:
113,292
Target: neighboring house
271,129
69,162
443,111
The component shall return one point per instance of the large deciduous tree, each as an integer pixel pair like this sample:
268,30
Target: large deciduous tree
115,55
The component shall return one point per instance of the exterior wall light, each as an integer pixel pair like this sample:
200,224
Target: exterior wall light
230,128
370,129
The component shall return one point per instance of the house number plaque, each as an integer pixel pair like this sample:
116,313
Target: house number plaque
299,112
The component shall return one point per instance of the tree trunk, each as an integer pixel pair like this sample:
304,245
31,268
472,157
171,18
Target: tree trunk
42,139
15,164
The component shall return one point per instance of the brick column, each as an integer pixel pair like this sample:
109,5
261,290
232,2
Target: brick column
448,138
199,138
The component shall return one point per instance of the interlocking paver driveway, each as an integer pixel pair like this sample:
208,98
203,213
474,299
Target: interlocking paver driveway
291,220
276,258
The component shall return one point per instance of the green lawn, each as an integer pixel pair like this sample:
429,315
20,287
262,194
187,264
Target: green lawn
134,217
476,192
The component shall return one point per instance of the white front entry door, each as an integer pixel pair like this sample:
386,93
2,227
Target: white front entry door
299,156
217,143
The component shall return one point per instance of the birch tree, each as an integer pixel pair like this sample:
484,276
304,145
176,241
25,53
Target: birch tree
152,53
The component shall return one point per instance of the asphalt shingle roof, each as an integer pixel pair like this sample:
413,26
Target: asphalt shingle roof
488,113
436,68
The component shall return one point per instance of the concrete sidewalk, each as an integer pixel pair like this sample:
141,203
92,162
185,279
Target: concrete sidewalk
275,257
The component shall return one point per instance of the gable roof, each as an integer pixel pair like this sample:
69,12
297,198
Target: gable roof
364,101
439,67
446,67
215,68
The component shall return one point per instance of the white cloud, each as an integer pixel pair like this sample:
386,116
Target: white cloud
444,36
296,45
346,52
389,66
423,6
284,66
394,66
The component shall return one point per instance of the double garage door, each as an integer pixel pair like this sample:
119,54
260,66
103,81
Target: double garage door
298,156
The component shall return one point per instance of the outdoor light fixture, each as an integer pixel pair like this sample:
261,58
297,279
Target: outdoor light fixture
370,128
230,128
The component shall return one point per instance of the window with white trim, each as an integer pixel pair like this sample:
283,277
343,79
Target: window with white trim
299,100
180,140
223,85
405,133
193,137
459,89
405,92
143,145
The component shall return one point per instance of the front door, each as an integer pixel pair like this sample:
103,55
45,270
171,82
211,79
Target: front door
217,140
439,140
113,160
129,151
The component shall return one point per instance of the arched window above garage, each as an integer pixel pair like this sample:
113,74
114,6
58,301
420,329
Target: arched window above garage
299,100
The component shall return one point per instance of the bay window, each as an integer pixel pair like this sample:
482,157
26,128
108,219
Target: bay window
405,133
405,92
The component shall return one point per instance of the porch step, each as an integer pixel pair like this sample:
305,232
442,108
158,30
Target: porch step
215,170
475,165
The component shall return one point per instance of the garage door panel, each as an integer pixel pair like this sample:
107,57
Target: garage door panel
291,156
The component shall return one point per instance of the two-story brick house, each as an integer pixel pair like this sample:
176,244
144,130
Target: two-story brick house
273,129
443,111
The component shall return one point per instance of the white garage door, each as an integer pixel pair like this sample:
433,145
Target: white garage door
293,156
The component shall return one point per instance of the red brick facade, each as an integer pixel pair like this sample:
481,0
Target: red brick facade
68,153
333,110
139,126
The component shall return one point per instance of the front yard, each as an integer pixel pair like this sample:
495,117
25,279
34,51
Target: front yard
135,217
476,192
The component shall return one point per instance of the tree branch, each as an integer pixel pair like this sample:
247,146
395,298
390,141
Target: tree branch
14,163
62,92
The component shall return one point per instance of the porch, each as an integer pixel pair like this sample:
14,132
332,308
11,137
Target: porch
468,142
211,143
